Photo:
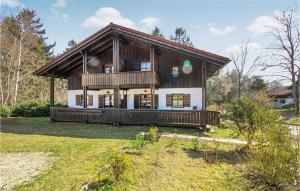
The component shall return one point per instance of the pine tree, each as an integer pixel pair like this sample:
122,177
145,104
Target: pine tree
156,32
181,37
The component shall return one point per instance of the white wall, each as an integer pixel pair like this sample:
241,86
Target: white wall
72,97
288,101
196,97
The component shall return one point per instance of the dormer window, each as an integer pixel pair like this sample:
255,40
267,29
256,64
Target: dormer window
145,66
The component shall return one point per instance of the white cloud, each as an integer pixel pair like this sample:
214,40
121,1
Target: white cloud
149,23
106,15
59,3
262,24
215,31
65,16
11,3
235,49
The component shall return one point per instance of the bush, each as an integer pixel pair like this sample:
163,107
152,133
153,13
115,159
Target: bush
5,111
274,159
119,164
249,115
139,141
152,135
33,109
195,144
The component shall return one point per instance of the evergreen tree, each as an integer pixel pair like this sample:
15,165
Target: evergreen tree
156,32
181,37
71,44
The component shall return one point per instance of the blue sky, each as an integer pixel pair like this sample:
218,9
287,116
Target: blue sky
213,25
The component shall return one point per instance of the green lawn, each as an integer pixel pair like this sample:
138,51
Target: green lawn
79,149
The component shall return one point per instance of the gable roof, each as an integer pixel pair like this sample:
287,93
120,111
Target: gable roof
280,92
137,34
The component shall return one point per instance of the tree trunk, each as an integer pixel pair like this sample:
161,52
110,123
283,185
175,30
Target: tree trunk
18,72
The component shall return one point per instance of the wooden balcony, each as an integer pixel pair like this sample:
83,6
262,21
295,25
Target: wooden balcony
182,118
125,79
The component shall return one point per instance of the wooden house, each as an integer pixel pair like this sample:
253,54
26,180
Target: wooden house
120,75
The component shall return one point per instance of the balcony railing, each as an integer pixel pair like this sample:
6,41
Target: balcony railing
136,78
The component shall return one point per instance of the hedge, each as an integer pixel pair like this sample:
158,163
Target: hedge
33,109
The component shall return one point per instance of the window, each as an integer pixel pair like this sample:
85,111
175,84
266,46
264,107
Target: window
282,101
145,66
79,100
90,100
108,69
108,100
178,100
145,100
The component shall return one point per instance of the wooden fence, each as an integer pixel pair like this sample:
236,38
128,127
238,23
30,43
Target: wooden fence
187,118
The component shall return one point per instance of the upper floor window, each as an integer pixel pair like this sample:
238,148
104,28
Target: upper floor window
108,69
145,66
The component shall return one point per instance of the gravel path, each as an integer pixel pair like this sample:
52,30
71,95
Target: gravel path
17,168
234,141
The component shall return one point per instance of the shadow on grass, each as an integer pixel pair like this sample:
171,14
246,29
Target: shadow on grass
230,157
43,126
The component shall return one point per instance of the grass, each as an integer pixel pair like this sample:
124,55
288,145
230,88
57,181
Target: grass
79,150
293,121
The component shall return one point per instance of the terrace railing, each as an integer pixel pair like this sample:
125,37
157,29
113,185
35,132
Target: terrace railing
137,116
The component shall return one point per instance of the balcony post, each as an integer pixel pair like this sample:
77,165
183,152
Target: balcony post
52,90
84,71
203,77
116,67
152,87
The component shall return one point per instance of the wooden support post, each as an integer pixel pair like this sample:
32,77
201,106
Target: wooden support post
52,90
116,67
84,71
203,86
152,87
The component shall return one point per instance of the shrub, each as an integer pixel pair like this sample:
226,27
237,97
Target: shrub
152,134
195,144
5,111
249,115
33,109
274,159
139,141
119,164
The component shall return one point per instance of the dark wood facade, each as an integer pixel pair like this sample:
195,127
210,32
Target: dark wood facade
113,58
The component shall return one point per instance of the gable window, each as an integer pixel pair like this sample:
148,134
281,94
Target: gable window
145,66
108,69
178,100
79,100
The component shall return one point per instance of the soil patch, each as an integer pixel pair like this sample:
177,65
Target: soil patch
17,168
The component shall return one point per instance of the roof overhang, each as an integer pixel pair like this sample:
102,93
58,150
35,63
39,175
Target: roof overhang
215,62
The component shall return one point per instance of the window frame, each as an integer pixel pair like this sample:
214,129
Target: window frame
81,100
177,100
147,68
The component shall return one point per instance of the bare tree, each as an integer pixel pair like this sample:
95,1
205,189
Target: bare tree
244,64
286,51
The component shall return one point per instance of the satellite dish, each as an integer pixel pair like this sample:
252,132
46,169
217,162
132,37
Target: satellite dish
93,61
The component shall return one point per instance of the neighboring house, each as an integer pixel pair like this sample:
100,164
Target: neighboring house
120,75
282,96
